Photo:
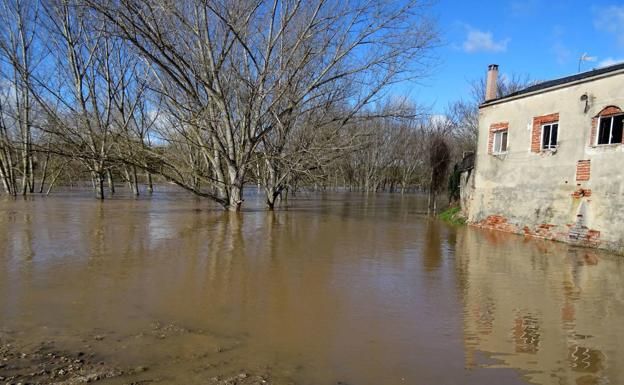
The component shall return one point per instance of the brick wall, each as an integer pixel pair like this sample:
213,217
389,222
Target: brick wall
607,111
536,134
583,170
494,128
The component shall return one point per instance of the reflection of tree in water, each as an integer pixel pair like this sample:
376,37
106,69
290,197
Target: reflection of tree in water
432,255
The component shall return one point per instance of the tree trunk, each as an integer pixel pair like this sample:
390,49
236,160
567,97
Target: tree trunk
236,198
271,198
44,174
98,181
270,185
100,187
128,179
25,178
9,172
135,184
5,184
111,182
4,175
54,180
235,195
150,184
31,171
432,204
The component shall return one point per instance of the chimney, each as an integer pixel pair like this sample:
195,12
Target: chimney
492,80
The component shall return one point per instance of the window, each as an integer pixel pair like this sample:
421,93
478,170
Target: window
549,136
500,142
610,129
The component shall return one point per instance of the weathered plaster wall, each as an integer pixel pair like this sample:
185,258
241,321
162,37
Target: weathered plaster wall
466,191
537,193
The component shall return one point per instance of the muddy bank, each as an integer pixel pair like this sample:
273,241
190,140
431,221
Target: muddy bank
25,360
45,363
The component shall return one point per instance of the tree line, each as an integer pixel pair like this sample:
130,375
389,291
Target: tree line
211,95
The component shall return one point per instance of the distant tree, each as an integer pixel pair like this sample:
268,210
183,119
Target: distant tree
465,112
239,77
18,25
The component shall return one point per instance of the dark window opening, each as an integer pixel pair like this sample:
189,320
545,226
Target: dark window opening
549,136
610,129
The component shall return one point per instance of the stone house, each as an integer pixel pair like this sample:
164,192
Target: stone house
550,160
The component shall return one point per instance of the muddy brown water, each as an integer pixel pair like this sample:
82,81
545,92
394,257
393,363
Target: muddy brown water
335,288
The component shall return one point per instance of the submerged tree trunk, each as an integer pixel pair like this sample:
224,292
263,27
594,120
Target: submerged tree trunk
53,181
98,184
271,197
135,183
31,171
8,178
4,175
111,181
271,185
44,174
432,204
235,188
150,183
236,198
127,175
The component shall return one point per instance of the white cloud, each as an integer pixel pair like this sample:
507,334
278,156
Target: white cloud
609,62
611,19
480,41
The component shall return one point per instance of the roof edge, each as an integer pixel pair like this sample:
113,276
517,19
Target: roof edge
556,84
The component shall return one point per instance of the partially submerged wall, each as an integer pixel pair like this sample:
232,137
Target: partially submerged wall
574,193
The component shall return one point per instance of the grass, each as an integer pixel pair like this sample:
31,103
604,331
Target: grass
453,216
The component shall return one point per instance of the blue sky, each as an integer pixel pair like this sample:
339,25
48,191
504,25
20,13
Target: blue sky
538,38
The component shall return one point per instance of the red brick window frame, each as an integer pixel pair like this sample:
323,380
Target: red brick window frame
604,113
536,133
494,128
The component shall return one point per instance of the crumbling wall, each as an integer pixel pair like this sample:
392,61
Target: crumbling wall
574,193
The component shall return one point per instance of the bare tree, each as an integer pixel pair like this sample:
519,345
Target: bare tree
232,72
18,20
465,112
80,102
439,160
207,93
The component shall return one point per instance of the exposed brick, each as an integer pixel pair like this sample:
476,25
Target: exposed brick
494,127
498,222
583,170
536,133
610,110
593,235
571,233
582,192
594,130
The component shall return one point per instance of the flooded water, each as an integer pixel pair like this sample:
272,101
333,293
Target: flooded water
337,288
